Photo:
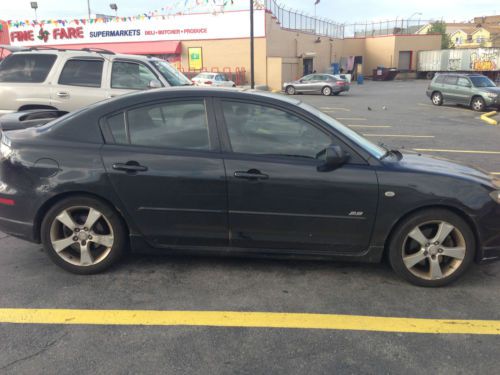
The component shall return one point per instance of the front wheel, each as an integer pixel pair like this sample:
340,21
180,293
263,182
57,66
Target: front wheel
290,90
83,235
478,104
326,91
432,248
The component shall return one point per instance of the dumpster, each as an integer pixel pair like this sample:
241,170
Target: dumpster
384,74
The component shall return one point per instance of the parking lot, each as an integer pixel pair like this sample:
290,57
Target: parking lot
395,113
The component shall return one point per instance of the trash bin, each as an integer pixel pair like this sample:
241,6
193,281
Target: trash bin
384,74
361,79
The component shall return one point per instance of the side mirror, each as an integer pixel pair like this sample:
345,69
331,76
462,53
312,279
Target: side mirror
154,84
335,157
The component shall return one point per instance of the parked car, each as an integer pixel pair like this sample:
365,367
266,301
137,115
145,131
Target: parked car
217,171
326,84
473,90
212,80
71,79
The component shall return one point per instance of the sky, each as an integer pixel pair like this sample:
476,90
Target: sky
346,11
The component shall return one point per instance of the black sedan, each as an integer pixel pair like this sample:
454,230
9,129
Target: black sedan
233,172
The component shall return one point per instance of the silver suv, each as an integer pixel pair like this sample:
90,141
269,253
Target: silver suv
70,79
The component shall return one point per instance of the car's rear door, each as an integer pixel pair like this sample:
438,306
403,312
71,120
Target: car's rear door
79,84
278,198
450,87
463,90
164,163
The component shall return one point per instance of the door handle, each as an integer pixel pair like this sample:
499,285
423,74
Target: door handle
130,166
252,174
62,94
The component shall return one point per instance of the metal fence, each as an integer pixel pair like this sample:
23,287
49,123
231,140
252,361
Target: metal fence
295,20
390,27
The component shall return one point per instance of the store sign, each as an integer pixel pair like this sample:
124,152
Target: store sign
228,25
195,58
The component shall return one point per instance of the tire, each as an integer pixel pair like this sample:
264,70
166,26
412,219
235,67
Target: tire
477,104
290,90
432,260
430,75
326,91
104,241
437,98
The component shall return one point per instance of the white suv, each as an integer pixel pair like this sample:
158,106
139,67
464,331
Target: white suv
70,79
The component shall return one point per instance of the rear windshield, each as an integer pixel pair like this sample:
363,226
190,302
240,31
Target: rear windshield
26,67
482,81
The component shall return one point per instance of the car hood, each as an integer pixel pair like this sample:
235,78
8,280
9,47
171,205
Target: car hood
436,165
495,90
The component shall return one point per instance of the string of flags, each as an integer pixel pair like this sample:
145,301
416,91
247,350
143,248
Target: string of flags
174,8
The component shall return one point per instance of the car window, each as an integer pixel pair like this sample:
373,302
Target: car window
307,78
172,75
450,80
464,82
116,124
263,130
87,73
439,79
26,67
482,81
218,77
129,75
180,124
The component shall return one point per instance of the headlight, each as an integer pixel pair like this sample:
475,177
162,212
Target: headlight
491,95
495,195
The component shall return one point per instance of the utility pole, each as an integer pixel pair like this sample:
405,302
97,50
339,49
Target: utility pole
252,67
88,7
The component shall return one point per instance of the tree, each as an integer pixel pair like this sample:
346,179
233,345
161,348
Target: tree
439,27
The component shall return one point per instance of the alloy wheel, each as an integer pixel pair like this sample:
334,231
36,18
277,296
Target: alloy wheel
290,90
436,99
434,250
81,236
327,91
478,104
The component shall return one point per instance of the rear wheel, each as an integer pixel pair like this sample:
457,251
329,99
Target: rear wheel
326,91
83,235
437,98
290,90
432,248
478,104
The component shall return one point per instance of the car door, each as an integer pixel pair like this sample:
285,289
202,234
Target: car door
463,90
278,196
79,84
127,76
450,89
305,84
163,162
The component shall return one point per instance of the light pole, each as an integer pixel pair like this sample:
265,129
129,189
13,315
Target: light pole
252,67
114,7
88,7
34,6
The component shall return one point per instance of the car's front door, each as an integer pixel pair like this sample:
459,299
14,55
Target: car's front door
79,84
278,195
126,76
305,84
463,90
164,165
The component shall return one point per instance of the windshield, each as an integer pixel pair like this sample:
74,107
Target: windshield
374,150
482,82
172,75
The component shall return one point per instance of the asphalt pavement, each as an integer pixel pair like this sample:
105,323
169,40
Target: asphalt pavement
395,113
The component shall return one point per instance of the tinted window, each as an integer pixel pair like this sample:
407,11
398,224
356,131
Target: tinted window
464,82
126,75
175,124
26,68
258,129
117,126
481,81
87,73
439,79
450,80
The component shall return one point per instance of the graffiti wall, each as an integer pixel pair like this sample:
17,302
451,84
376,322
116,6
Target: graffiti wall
485,60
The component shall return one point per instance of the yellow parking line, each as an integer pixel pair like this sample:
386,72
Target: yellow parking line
248,319
457,151
351,118
495,173
369,126
399,135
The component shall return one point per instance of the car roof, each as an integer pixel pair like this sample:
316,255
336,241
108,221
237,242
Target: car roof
83,53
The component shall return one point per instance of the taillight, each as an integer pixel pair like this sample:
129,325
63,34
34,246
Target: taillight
7,202
341,83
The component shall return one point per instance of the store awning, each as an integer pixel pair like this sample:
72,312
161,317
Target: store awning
134,48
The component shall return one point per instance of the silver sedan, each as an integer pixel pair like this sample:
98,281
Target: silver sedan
326,84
